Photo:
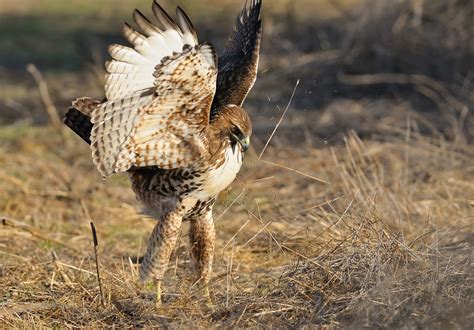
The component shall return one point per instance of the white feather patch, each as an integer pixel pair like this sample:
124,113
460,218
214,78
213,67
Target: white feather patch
131,69
219,178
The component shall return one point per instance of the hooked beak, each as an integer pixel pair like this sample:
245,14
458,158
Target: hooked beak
245,143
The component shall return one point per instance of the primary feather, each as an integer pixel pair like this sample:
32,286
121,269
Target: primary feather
238,64
131,69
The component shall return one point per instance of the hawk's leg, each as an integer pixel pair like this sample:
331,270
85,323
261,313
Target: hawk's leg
160,246
202,236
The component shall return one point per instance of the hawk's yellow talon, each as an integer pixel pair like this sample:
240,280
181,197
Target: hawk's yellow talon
158,294
207,296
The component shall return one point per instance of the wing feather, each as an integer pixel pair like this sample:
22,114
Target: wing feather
239,63
128,55
163,126
131,69
144,24
189,32
163,18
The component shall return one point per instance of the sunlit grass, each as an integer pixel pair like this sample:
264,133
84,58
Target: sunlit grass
379,232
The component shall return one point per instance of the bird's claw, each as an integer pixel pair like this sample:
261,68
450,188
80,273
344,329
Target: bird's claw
207,296
158,294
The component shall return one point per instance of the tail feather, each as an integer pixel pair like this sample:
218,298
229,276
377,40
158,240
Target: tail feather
78,117
79,123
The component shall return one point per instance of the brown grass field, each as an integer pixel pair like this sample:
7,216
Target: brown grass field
359,213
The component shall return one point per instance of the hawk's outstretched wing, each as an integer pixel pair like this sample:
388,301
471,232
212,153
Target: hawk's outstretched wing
159,95
131,69
239,62
160,126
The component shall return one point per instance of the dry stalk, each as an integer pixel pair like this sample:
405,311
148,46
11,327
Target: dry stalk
45,96
96,254
281,119
295,171
60,269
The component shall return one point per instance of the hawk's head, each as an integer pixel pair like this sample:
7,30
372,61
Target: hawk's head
234,124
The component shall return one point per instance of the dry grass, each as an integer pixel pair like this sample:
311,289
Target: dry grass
386,243
358,213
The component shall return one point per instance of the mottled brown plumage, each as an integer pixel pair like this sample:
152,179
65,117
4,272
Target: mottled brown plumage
173,121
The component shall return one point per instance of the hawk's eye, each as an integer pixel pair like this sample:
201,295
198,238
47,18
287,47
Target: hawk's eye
237,133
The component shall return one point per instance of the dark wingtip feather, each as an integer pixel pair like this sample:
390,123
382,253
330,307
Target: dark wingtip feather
239,61
144,23
163,18
248,26
252,12
187,22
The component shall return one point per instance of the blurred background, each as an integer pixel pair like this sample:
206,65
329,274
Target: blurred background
363,65
358,213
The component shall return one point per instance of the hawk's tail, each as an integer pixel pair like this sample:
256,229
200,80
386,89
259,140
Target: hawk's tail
78,117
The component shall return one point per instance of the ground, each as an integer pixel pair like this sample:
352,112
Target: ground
356,212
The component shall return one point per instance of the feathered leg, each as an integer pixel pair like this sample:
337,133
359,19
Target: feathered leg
203,236
160,246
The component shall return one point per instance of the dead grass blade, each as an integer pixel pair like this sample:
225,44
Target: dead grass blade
281,119
45,96
295,171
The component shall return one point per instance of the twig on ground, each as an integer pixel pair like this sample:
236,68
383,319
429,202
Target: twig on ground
60,269
96,253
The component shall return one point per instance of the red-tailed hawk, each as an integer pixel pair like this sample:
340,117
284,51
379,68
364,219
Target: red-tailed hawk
173,121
